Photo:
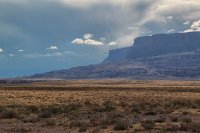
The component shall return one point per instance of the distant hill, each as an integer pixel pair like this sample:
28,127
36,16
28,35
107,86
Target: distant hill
162,56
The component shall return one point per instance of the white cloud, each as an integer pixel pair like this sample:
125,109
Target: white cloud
87,36
171,30
112,43
56,54
133,28
78,41
93,42
194,27
169,17
1,50
103,39
87,40
20,50
186,23
53,48
11,55
89,3
37,55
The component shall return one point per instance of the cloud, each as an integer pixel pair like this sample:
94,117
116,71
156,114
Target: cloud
11,55
112,43
169,17
171,30
194,27
78,41
133,28
53,48
87,36
56,54
186,23
20,50
103,39
87,40
93,42
1,50
37,55
89,3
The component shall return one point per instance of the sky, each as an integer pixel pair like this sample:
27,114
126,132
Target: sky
38,36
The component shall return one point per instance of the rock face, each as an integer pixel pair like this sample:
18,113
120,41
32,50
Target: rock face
163,56
156,45
117,54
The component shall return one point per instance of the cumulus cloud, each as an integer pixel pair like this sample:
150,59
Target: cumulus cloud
133,28
112,43
1,50
194,27
171,30
87,40
20,50
11,55
186,23
169,17
93,42
52,48
87,36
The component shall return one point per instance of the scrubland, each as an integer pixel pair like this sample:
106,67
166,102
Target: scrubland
100,106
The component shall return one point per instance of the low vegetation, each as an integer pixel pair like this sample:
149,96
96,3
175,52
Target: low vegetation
114,108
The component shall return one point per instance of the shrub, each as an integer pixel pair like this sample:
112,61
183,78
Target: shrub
171,127
109,106
185,113
33,109
186,119
9,114
121,125
174,119
82,129
79,123
96,130
106,121
148,124
160,119
2,108
150,113
31,119
45,114
98,109
183,127
50,122
195,127
24,130
54,110
136,108
72,107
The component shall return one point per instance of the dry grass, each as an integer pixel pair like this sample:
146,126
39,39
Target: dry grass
100,106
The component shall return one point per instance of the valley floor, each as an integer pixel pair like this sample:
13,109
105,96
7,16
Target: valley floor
100,106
